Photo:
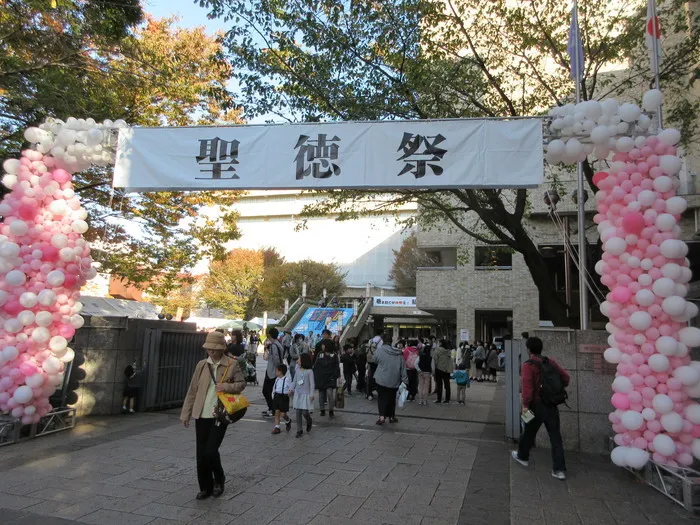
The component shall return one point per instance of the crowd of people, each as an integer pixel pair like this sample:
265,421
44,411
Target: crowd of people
400,370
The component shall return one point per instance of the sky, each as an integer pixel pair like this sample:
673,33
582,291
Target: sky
192,15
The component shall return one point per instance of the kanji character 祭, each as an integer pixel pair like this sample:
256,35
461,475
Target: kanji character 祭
215,154
420,151
315,156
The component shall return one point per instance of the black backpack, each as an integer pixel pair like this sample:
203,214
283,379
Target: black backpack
425,360
552,389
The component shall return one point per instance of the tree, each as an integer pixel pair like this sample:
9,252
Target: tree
233,282
407,259
285,282
88,59
418,59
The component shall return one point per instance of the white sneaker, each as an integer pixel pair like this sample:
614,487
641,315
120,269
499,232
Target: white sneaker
514,455
559,475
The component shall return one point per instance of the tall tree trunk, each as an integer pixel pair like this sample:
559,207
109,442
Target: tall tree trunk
555,308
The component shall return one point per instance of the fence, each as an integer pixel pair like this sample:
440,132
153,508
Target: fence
170,357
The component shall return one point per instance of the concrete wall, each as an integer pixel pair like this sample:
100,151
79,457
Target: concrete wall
104,346
584,423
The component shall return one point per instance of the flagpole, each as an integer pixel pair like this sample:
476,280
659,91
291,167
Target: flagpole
655,49
582,281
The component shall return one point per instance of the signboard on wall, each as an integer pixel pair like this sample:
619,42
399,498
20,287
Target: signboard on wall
403,302
465,334
455,153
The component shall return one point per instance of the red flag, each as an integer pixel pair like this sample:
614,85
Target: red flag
653,33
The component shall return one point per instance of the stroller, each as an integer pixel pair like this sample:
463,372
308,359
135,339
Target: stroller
248,366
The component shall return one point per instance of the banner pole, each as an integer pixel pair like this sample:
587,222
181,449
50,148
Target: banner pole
655,50
583,282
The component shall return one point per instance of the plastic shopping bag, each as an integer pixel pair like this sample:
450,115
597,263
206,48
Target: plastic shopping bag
401,395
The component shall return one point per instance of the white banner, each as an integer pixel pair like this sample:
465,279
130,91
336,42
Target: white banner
405,154
395,301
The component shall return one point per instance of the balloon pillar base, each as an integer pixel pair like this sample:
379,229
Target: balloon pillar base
679,484
9,430
62,418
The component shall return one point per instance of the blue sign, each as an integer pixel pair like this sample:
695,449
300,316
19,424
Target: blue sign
318,319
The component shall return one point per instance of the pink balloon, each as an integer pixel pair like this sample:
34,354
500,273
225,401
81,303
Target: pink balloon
654,426
620,401
633,222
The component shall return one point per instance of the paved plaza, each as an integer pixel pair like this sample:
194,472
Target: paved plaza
439,465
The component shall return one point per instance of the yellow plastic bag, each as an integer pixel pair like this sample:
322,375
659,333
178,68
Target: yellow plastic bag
233,402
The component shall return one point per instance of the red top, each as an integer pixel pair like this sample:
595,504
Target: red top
530,378
409,354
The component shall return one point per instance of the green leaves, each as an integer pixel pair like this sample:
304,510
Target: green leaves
91,59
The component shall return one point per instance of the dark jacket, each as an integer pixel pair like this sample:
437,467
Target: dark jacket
349,363
326,371
531,380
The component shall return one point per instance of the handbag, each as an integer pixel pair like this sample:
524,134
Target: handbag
229,407
401,395
339,399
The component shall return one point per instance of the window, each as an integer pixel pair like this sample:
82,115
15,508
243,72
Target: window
493,258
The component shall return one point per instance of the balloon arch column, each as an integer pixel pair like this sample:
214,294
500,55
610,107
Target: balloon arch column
644,266
44,261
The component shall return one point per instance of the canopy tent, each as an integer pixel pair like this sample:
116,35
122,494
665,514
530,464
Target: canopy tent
109,307
207,323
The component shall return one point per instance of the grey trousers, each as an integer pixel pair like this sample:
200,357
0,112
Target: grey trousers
326,395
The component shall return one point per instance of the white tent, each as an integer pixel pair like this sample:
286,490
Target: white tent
207,323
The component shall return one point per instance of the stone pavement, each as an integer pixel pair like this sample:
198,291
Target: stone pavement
438,465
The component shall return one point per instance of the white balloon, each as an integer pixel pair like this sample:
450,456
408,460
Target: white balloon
35,380
666,345
619,456
662,403
672,422
18,227
637,458
58,207
674,305
59,240
28,299
646,197
15,278
26,317
629,112
692,413
670,164
9,249
671,270
622,385
665,222
9,181
57,343
47,297
40,335
77,321
44,319
66,254
664,445
632,420
663,184
687,375
652,100
13,325
23,394
673,248
625,144
51,365
669,136
615,246
648,414
12,166
664,287
696,448
640,320
600,135
80,226
658,363
645,297
676,205
68,356
690,336
55,278
612,355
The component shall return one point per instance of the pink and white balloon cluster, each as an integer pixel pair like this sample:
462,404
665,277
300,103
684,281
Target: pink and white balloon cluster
644,265
43,263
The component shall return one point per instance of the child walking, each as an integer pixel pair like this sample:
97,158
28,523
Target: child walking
280,398
461,377
303,389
